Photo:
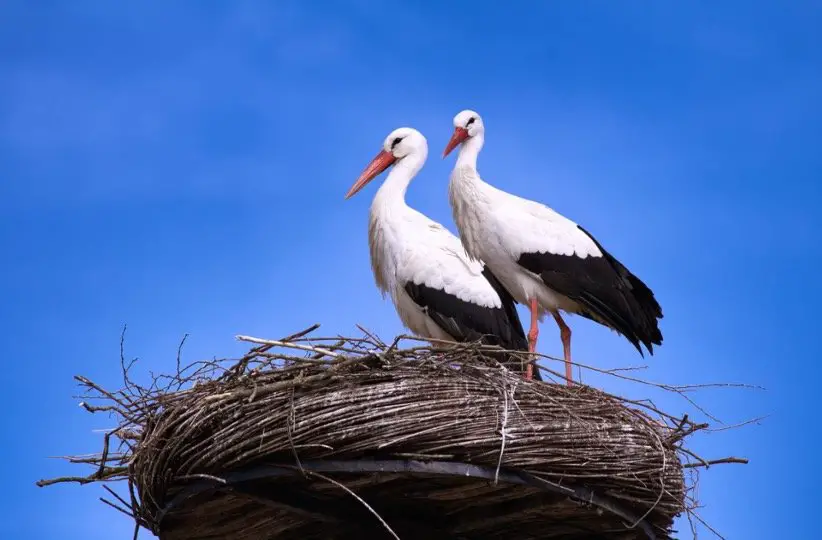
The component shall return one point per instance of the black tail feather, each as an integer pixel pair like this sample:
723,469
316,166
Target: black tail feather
606,291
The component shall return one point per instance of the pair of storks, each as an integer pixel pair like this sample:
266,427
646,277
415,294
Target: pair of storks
510,250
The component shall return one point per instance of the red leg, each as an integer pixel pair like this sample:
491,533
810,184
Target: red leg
532,334
565,335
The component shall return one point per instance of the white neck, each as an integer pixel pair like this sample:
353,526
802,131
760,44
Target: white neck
469,150
388,214
392,191
467,195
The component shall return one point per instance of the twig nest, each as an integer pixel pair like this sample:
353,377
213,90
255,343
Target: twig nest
262,457
347,438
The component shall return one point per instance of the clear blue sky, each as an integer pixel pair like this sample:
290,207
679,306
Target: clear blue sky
181,166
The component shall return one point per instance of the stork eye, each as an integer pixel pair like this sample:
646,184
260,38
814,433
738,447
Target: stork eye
470,121
396,141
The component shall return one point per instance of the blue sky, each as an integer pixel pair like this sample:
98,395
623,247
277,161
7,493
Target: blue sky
181,167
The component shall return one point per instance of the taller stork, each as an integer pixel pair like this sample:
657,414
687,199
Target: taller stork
545,260
438,292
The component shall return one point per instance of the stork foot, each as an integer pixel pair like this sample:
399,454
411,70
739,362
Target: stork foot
565,335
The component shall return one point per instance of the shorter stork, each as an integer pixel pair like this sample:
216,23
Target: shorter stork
438,292
546,261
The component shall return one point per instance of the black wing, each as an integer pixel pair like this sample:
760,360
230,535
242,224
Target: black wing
607,292
466,321
510,306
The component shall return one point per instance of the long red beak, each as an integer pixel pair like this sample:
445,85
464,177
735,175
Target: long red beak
460,134
382,161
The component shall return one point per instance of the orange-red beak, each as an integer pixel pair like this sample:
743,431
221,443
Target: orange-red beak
382,161
460,134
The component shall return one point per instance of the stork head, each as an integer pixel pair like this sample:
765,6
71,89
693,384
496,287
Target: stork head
467,124
401,144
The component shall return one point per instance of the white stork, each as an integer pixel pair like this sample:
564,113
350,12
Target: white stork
546,261
438,292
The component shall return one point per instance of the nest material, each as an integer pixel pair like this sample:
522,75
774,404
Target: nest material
281,446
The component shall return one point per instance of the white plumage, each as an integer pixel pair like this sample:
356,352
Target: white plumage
407,246
499,227
438,291
545,260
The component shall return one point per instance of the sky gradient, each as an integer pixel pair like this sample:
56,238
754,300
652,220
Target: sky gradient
180,167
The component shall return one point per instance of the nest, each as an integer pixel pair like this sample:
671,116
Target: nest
355,438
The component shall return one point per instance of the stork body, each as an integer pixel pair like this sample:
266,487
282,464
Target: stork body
543,259
437,290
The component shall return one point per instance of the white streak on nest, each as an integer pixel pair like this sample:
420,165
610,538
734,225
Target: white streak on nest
503,429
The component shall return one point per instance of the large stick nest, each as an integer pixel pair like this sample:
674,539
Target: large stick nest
307,438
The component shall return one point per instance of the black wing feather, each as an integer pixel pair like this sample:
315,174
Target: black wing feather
518,340
466,321
606,290
510,307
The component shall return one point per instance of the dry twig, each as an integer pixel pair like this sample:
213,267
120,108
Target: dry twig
348,398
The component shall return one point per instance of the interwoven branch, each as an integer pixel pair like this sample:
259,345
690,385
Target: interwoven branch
312,398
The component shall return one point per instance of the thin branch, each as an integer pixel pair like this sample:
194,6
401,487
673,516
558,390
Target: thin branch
287,345
117,507
360,499
708,463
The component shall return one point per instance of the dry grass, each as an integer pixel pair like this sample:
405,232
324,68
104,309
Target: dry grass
285,442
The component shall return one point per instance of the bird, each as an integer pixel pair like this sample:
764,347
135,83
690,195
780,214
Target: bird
544,260
438,292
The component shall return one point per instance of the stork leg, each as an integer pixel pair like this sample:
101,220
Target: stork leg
565,335
532,335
